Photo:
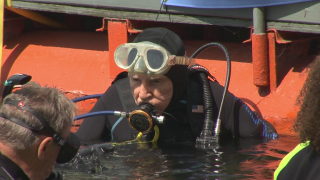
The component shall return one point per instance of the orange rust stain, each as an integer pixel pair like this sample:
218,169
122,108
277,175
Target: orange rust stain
272,61
260,59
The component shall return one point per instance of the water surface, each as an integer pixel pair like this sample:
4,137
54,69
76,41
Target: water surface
245,158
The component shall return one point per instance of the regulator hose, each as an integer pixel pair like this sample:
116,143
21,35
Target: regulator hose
141,120
97,113
208,108
206,134
86,97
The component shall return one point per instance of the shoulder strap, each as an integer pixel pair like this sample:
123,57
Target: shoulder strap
125,94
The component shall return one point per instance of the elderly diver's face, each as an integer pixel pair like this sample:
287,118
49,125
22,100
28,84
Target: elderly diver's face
151,89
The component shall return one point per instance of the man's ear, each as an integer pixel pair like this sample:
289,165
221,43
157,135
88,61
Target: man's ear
45,147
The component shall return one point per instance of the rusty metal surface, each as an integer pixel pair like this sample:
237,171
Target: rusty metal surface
272,61
260,59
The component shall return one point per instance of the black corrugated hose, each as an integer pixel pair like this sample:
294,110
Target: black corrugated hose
207,134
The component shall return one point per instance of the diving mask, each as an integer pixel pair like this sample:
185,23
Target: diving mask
147,58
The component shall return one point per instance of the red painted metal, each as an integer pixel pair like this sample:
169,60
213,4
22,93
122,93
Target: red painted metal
78,62
117,35
285,37
130,28
274,37
260,59
278,38
75,61
104,26
272,61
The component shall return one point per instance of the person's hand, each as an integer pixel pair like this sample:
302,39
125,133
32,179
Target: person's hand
98,149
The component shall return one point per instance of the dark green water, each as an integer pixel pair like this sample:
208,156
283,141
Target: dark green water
246,158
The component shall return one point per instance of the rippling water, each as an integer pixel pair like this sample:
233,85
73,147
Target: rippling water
245,158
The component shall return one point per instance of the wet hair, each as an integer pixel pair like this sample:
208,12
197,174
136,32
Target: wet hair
57,109
308,118
178,74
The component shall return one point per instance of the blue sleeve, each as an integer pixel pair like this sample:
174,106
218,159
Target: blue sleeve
238,118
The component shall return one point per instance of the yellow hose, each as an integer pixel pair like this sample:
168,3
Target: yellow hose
156,134
139,136
138,139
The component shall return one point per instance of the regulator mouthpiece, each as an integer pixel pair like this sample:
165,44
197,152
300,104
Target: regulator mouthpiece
145,118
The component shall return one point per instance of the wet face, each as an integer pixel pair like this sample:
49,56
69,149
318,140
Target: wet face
155,90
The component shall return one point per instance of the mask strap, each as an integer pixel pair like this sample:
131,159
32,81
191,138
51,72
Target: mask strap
46,129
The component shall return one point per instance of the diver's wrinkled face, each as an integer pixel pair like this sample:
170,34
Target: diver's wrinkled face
155,90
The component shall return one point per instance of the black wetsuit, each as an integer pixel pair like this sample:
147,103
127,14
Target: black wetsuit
301,163
11,171
236,119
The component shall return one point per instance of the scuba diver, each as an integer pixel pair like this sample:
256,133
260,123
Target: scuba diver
35,132
303,162
158,77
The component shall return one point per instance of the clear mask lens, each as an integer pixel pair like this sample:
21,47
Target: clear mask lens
155,59
147,58
132,56
125,56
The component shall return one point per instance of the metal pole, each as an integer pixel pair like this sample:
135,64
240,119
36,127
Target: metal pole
259,22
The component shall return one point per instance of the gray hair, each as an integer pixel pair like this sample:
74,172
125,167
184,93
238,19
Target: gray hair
57,109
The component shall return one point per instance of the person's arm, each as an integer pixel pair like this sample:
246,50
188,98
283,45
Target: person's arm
93,128
238,118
